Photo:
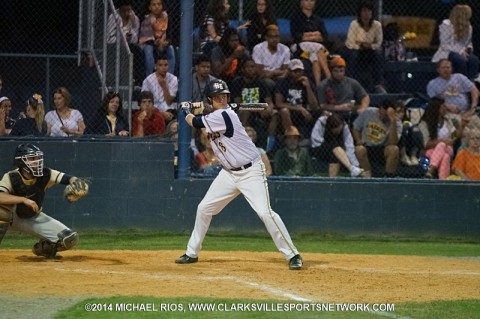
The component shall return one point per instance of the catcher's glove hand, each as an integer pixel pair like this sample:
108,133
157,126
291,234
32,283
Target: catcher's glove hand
76,190
194,108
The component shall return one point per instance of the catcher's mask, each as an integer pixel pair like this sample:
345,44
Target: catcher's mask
29,158
216,87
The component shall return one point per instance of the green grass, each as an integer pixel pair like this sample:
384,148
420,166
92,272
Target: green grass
110,308
220,241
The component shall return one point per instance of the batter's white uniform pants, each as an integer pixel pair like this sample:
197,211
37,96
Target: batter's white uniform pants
252,183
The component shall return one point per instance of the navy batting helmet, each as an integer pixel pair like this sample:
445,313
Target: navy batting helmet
29,158
216,87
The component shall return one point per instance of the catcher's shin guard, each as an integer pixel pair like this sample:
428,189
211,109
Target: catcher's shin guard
67,239
45,248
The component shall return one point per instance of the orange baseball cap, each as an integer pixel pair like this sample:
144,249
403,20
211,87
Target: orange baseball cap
338,62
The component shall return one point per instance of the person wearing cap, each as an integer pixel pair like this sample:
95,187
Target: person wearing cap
291,159
295,99
271,56
6,122
342,94
376,132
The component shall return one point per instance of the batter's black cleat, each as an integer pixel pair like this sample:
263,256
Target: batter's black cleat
295,262
185,259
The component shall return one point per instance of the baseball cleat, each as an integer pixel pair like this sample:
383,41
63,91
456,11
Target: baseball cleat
296,262
185,259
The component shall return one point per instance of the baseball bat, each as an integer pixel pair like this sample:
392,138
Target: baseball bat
249,106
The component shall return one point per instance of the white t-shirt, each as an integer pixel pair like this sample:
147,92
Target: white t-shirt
271,61
52,118
151,84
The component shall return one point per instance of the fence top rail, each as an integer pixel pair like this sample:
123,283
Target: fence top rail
39,55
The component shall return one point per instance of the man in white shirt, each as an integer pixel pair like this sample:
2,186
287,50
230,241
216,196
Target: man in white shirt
164,87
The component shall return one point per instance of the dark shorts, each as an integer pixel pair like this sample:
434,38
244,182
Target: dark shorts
325,151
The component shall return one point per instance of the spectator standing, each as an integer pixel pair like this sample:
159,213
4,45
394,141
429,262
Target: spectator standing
164,87
262,17
153,37
109,120
64,120
467,162
454,89
148,120
293,160
455,35
309,32
439,134
376,132
32,122
363,48
6,122
332,142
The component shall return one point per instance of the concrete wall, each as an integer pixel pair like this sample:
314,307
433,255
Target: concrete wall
133,186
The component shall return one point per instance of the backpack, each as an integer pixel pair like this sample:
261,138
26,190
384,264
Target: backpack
393,46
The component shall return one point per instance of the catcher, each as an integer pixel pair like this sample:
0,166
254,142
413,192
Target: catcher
22,192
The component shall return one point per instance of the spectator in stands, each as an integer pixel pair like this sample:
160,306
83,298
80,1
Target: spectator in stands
164,87
376,132
206,161
64,120
153,37
467,162
6,122
109,120
439,134
272,57
454,89
130,27
295,99
363,49
309,32
148,120
172,132
456,42
262,17
32,122
332,142
227,55
214,24
266,161
249,88
201,77
292,160
411,140
342,94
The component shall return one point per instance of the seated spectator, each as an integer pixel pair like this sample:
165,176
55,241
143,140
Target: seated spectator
172,132
376,132
64,120
164,87
262,17
201,77
214,24
206,161
227,55
363,49
332,142
148,120
295,99
309,32
109,120
266,161
250,89
272,57
342,94
130,27
32,122
411,140
439,134
292,160
467,162
6,122
455,35
153,37
454,89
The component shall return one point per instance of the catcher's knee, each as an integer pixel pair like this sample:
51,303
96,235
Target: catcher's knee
67,239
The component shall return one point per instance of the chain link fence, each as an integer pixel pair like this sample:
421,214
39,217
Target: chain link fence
85,46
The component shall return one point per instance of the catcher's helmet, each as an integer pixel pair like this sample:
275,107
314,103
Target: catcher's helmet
29,158
216,87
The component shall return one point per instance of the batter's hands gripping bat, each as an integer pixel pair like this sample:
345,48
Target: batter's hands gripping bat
194,108
76,190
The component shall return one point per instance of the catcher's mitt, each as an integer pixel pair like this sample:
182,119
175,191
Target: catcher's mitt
76,190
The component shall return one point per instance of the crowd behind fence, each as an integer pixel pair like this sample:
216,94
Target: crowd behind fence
337,80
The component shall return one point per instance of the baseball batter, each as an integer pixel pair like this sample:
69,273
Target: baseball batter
243,172
22,192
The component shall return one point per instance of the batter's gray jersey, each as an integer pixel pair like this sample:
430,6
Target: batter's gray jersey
230,142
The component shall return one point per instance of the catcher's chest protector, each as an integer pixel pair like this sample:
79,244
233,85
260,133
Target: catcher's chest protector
35,192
